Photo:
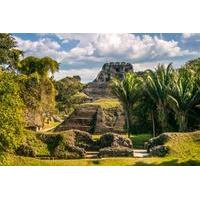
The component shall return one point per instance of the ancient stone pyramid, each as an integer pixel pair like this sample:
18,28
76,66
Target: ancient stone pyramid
93,118
99,88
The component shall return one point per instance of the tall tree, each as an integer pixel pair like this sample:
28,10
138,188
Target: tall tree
127,91
9,54
157,86
42,66
184,95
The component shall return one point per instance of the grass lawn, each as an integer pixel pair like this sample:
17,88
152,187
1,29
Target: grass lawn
139,140
106,103
152,161
184,150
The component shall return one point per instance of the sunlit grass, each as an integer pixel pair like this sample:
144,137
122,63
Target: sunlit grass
184,150
104,103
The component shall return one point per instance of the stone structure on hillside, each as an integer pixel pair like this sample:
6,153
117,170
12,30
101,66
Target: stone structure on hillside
93,118
113,69
99,88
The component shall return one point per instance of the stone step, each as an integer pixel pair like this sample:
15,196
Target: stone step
74,126
91,154
140,153
81,121
84,113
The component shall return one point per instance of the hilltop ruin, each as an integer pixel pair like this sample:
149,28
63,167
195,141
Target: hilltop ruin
99,88
95,117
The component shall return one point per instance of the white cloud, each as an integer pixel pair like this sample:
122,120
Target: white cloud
122,46
86,74
42,47
144,66
101,47
146,51
190,35
186,35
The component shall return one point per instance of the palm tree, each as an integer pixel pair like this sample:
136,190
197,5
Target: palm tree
157,85
184,95
127,91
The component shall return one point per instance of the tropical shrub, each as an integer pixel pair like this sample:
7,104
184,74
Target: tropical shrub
11,112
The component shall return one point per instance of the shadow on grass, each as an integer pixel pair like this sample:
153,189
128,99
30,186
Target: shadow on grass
174,162
96,162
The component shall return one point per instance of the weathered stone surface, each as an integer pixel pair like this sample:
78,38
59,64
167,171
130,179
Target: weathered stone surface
156,146
83,118
65,151
159,140
159,151
113,69
115,152
83,139
68,144
33,119
99,88
94,119
114,140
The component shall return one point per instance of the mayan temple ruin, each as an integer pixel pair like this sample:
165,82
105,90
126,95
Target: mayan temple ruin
92,117
99,88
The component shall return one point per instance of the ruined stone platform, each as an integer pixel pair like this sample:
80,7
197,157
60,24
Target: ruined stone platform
95,119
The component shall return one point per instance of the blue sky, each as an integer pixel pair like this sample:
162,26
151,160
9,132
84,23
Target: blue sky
84,53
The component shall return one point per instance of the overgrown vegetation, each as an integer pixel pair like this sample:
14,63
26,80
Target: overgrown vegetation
27,93
166,99
69,94
169,97
184,151
11,112
106,103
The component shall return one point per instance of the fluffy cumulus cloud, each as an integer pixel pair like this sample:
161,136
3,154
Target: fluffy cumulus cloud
86,74
122,46
82,54
100,47
40,48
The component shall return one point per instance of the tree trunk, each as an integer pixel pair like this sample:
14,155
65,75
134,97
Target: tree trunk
153,124
182,121
127,110
162,117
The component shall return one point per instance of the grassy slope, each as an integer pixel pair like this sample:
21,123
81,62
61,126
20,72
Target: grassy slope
185,150
104,103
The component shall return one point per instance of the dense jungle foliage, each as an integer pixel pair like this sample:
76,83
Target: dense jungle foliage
154,101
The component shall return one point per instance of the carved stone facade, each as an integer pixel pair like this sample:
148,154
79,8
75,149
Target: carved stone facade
113,69
99,88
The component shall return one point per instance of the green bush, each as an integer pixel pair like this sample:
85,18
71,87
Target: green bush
11,112
26,150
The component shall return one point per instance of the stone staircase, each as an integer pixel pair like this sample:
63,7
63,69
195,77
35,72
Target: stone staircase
83,119
91,154
140,153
